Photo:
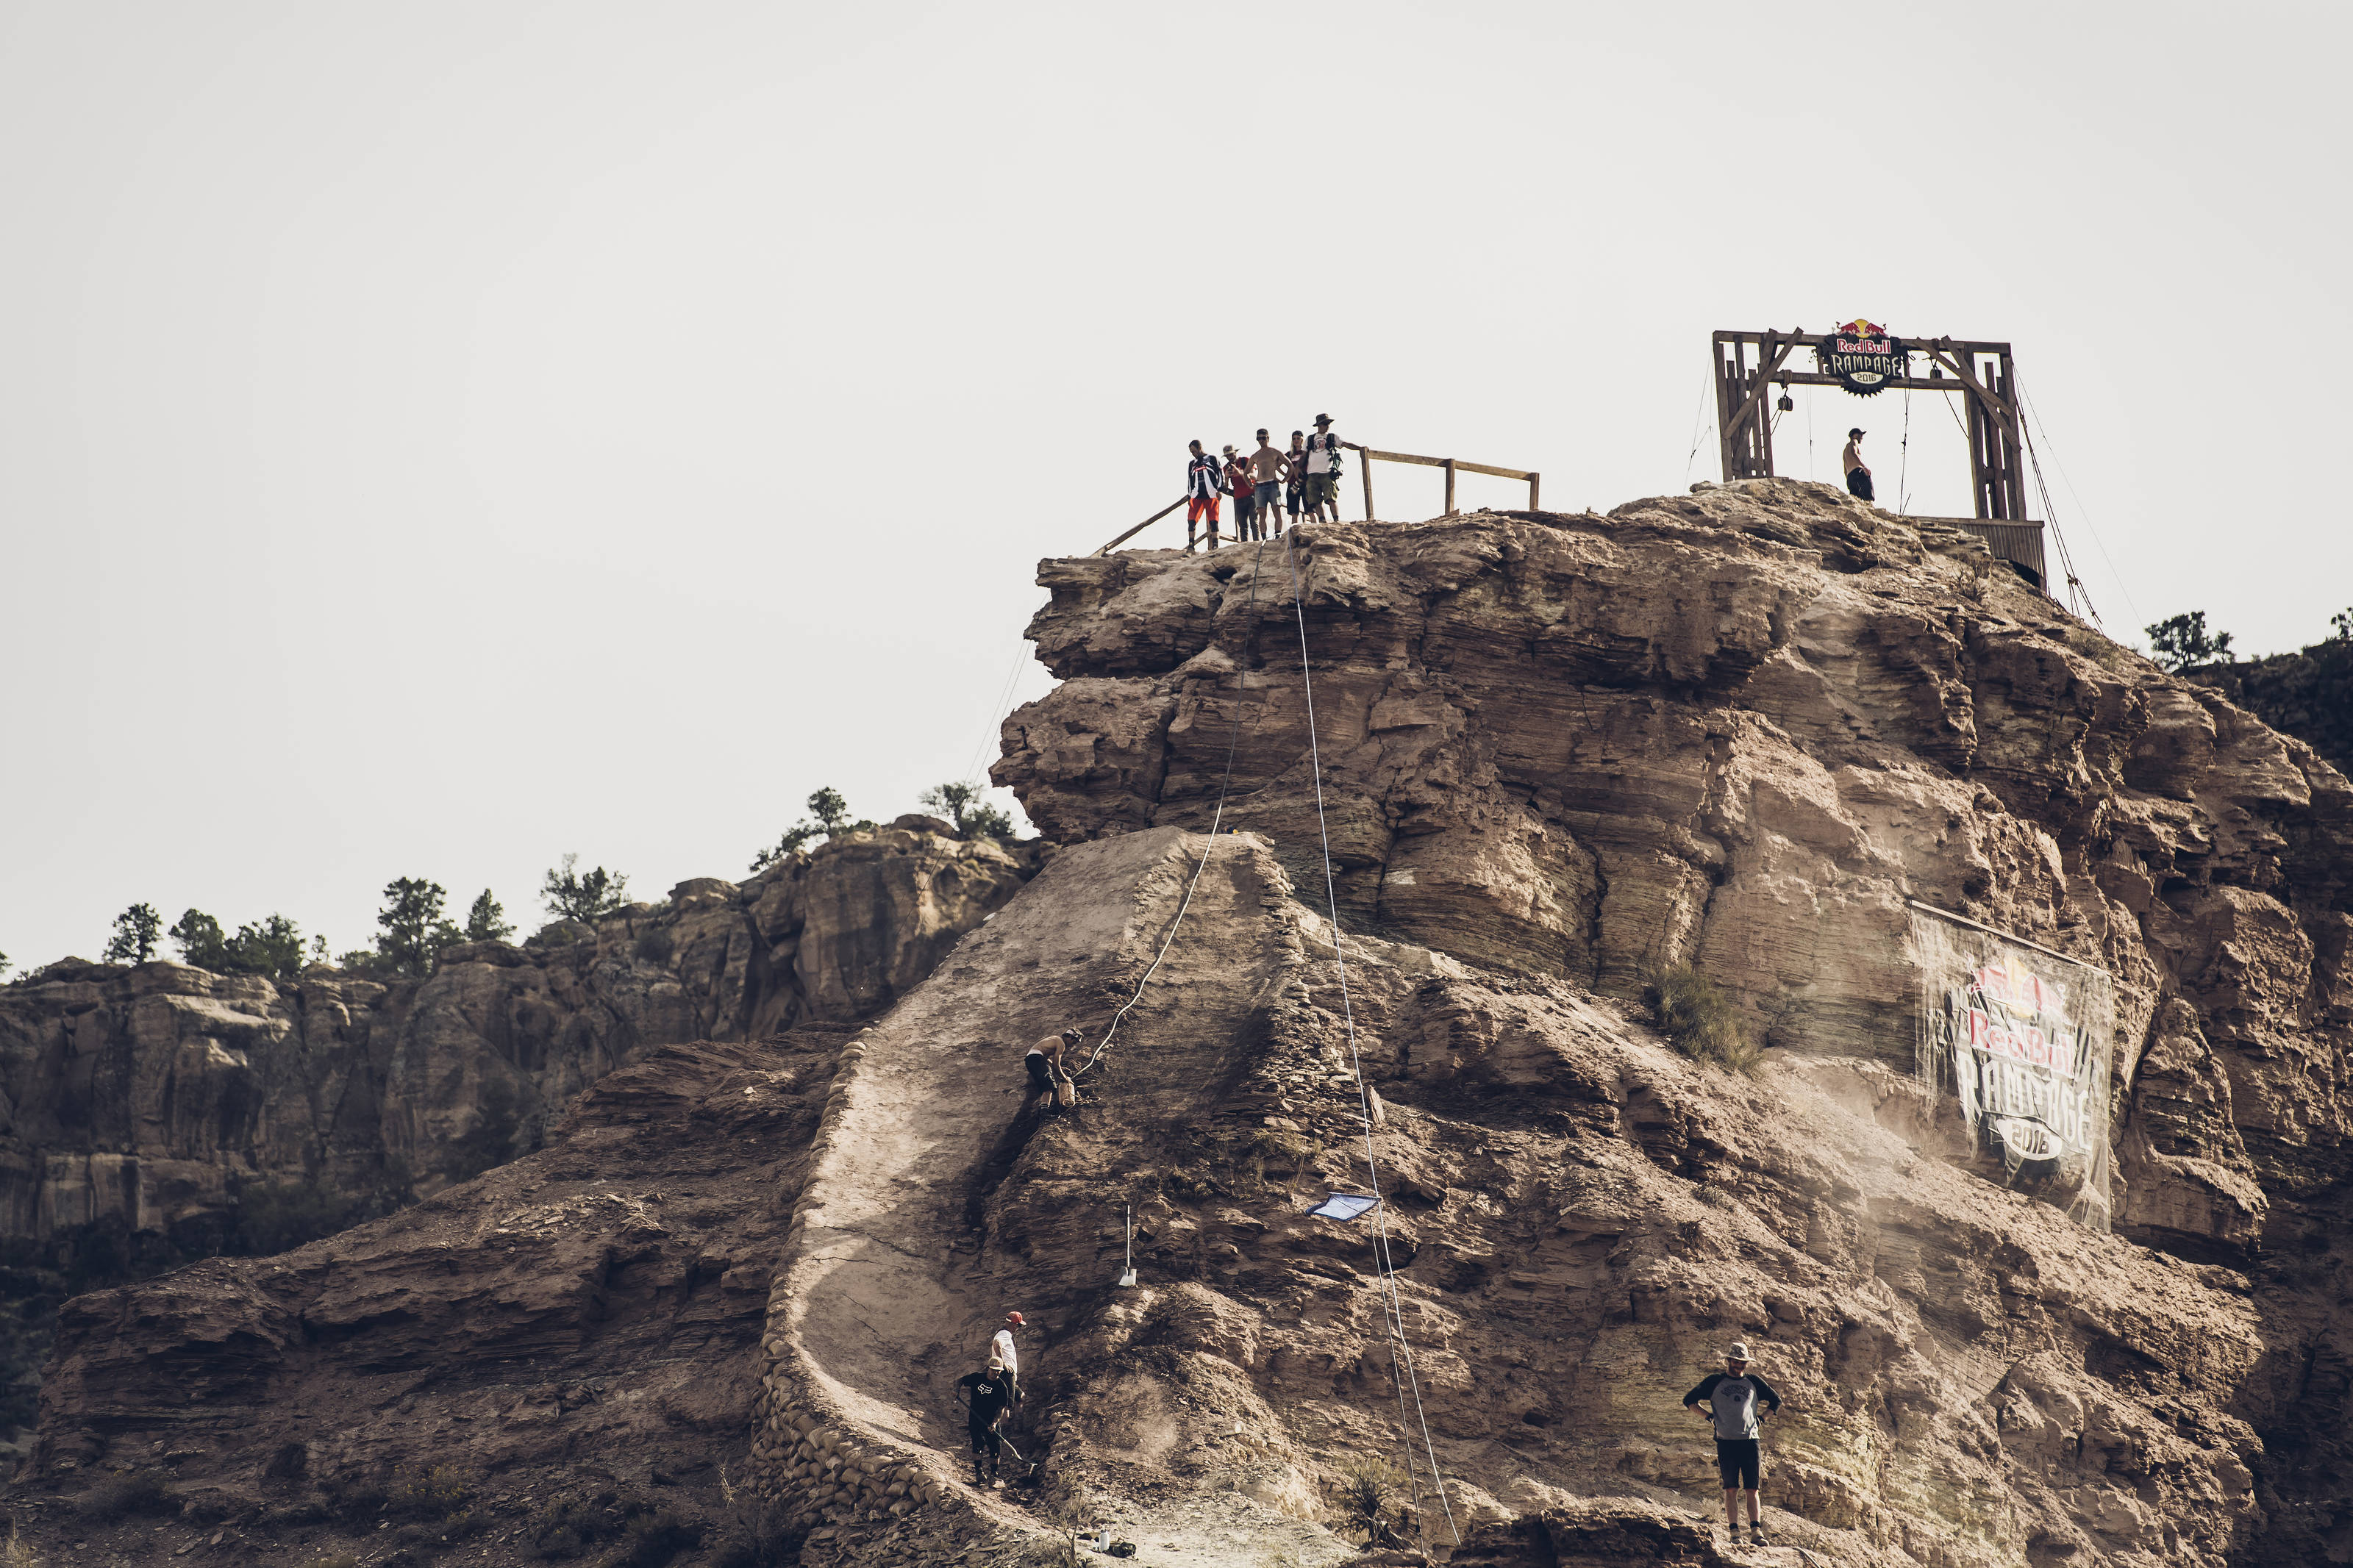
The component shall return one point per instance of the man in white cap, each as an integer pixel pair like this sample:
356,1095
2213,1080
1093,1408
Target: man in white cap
1733,1398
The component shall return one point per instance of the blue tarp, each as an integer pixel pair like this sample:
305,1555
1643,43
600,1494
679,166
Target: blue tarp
1346,1205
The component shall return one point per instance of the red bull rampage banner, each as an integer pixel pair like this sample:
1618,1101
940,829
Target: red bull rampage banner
2018,1041
1864,356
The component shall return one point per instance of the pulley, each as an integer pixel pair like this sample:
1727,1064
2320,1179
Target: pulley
1786,403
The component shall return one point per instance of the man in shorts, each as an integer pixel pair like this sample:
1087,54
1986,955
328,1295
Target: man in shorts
1267,465
1323,472
1204,483
1733,1398
1245,494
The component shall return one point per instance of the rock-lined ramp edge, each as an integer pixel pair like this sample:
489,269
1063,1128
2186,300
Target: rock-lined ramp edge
898,1275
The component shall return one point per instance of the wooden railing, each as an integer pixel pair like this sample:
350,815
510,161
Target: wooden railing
1452,466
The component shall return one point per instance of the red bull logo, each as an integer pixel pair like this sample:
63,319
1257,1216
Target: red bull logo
1864,355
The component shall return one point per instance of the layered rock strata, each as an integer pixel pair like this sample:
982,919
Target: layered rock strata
1739,731
151,1094
155,1113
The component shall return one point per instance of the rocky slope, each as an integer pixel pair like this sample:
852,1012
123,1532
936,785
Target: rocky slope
2308,694
160,1112
1737,730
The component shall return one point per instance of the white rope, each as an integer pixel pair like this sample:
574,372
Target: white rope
1393,1304
973,775
1233,738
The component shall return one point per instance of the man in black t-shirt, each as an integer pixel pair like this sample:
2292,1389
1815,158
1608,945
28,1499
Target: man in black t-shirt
1735,1396
985,1396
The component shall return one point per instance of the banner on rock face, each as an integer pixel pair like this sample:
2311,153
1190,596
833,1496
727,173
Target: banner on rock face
2020,1038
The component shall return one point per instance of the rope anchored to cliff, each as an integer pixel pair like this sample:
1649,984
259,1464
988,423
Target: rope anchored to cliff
1225,785
1392,1302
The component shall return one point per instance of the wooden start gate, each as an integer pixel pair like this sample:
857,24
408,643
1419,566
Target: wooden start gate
1865,362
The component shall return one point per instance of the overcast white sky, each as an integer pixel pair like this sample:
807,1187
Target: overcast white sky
437,436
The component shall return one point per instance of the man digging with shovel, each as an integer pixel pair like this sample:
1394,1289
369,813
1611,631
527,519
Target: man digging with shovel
986,1395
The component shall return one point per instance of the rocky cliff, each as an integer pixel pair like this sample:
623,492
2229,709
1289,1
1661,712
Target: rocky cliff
1734,733
157,1113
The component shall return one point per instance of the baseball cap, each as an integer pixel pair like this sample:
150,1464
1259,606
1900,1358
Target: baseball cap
1013,1317
1856,431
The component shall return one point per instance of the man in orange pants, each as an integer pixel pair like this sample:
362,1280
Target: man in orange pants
1205,482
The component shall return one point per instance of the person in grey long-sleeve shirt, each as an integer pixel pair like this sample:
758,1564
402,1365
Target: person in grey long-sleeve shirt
1736,1398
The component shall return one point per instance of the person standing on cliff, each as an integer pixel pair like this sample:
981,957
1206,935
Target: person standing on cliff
1204,482
1295,476
1733,1398
985,1396
1324,471
1238,482
1267,466
1858,472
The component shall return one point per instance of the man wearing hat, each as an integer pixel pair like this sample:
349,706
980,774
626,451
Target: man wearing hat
985,1396
1858,472
1733,1398
1323,472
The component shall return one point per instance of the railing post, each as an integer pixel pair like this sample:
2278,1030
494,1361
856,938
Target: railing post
1532,493
1449,487
1364,463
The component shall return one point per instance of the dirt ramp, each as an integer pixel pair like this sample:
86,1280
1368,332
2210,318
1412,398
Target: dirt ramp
895,1280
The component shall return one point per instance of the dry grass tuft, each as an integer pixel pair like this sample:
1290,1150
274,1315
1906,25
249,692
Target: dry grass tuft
1700,1020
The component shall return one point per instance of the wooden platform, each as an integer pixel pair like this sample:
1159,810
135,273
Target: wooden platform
2020,544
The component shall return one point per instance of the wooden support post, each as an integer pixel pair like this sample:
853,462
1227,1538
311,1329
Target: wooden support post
1532,493
1364,463
1449,487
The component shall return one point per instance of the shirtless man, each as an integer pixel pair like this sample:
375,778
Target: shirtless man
1048,1072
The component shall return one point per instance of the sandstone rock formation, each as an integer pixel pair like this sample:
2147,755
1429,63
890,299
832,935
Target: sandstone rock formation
1738,730
148,1101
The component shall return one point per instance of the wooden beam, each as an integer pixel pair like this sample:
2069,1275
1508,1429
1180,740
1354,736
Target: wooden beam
1449,487
1532,494
1140,527
1460,465
1764,368
1365,467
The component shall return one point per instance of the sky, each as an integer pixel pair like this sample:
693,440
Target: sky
437,437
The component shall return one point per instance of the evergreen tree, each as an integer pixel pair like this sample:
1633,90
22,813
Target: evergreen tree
136,930
415,928
273,947
571,895
486,921
201,941
2180,641
962,805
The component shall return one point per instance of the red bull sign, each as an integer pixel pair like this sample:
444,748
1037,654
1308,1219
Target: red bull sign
1864,356
2020,1038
